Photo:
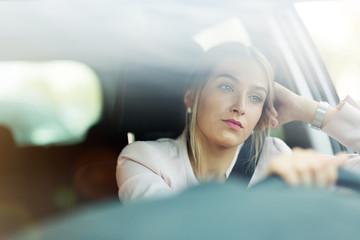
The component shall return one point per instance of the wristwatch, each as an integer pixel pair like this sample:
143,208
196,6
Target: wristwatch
319,115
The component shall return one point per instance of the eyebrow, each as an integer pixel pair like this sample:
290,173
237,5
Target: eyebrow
237,80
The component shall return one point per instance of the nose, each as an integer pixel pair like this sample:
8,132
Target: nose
239,106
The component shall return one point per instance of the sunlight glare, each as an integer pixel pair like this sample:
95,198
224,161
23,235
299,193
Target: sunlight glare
230,30
326,20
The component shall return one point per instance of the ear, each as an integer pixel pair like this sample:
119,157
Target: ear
188,98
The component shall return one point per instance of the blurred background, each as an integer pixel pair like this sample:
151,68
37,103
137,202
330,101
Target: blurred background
66,109
334,27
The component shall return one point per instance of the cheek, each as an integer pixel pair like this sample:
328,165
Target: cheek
205,112
211,105
254,115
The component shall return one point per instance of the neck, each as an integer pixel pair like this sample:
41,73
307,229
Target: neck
213,162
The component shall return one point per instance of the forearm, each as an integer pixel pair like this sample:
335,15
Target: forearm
306,108
345,125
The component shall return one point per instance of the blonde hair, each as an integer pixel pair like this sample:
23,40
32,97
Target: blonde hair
199,78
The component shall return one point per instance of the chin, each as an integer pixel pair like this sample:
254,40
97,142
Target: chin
230,142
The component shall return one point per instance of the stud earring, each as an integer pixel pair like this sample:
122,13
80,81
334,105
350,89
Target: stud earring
188,110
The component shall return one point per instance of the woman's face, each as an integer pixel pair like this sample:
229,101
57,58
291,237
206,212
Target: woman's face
231,102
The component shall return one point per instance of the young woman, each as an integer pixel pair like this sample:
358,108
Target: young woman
230,98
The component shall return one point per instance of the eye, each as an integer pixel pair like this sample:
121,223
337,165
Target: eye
256,98
227,87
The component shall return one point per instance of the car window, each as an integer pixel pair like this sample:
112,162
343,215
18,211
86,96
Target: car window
336,35
48,102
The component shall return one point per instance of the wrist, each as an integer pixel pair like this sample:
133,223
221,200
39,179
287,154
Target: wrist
305,111
319,117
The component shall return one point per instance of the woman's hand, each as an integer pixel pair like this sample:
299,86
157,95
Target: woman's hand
292,107
307,167
285,104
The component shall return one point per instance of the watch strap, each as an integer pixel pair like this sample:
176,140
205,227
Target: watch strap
319,115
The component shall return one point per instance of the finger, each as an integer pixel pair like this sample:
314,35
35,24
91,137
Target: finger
291,178
306,178
281,167
302,170
340,159
274,112
320,178
311,169
274,123
297,150
332,174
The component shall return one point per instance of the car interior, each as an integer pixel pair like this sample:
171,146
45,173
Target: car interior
141,55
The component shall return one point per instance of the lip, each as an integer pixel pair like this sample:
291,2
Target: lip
233,124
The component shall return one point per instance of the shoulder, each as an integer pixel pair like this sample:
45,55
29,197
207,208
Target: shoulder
147,147
149,153
160,147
